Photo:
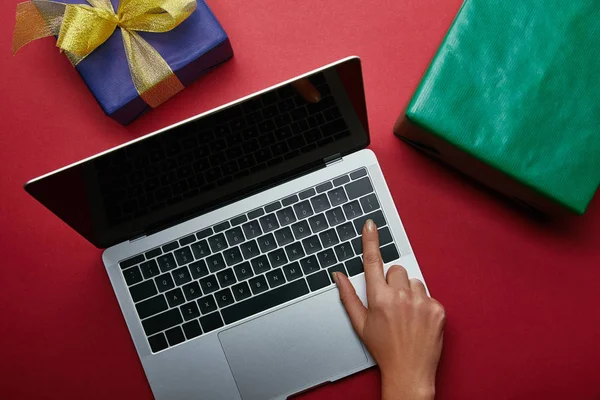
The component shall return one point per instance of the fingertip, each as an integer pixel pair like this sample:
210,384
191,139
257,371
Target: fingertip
369,226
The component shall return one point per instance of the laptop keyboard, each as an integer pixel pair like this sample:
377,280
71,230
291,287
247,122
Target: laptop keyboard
255,261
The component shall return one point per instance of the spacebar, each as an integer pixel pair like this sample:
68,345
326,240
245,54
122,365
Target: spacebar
264,301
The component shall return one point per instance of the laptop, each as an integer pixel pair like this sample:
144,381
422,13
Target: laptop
221,233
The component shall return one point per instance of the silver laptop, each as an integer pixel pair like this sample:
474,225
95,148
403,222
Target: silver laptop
221,233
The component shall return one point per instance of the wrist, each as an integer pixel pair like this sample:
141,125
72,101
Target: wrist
396,387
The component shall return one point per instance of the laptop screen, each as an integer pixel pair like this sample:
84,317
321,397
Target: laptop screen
211,160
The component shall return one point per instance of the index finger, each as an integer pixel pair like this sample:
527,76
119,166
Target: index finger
373,264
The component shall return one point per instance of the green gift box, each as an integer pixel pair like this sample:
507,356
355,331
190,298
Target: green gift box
512,98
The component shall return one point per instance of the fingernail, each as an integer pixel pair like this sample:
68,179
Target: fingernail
370,225
334,276
317,97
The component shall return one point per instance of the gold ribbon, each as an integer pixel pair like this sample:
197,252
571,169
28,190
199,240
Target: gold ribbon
81,28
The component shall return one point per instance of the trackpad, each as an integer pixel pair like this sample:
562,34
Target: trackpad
293,348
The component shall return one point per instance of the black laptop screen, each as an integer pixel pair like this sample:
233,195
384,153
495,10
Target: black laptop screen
212,160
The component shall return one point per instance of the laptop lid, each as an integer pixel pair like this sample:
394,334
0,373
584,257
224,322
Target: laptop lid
205,162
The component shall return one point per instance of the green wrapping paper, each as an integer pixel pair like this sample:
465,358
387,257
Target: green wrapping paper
515,89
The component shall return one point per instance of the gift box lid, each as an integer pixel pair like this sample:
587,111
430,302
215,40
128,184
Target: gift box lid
106,71
516,85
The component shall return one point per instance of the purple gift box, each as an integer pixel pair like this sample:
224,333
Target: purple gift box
191,50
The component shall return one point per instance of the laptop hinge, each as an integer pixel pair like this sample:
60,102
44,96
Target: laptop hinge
135,239
336,158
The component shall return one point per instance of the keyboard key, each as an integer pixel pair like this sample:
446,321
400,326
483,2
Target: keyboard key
224,298
243,271
310,265
166,262
346,231
265,301
175,297
164,282
337,268
232,256
344,251
226,277
312,245
132,275
217,243
258,284
269,223
352,210
241,291
369,203
158,342
385,236
153,253
192,291
289,200
335,216
359,188
320,203
192,329
170,247
318,223
222,226
358,174
209,284
286,216
187,240
337,196
215,263
341,180
252,229
318,281
326,258
354,266
207,304
260,265
306,194
357,245
162,321
149,269
250,249
200,249
324,187
235,236
267,243
292,271
303,209
284,236
238,220
190,310
301,230
181,276
329,238
204,233
143,290
294,251
275,277
256,213
199,269
376,216
272,207
389,253
211,322
277,258
151,306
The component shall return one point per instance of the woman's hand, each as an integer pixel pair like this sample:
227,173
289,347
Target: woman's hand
402,328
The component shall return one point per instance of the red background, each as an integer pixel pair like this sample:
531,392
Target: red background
521,295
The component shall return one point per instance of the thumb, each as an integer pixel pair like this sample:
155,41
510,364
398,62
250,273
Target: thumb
354,307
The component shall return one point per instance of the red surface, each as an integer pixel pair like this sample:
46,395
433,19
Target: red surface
521,296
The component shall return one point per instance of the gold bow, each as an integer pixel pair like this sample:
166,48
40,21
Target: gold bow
82,28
